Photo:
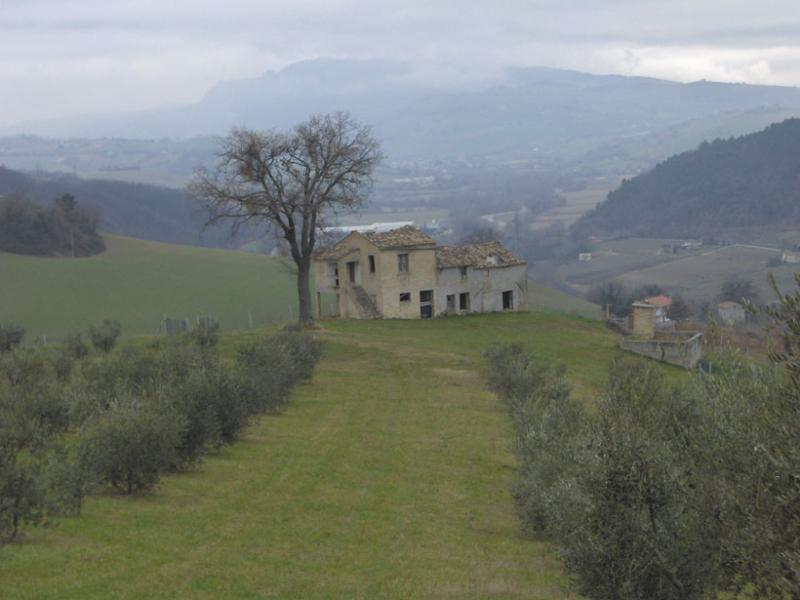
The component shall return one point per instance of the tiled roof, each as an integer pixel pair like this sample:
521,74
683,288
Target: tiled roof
407,236
728,304
490,254
660,301
338,251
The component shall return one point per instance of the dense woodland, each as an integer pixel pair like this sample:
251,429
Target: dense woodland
60,229
753,180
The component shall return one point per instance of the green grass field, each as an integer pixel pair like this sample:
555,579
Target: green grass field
542,298
137,282
388,476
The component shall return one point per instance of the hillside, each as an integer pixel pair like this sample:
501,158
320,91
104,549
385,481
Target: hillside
524,112
146,211
388,476
138,282
743,182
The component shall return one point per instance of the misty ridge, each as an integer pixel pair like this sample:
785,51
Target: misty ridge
522,113
463,151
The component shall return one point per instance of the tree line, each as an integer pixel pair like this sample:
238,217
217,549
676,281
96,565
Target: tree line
60,229
89,415
664,490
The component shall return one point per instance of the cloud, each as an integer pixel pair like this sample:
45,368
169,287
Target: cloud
62,58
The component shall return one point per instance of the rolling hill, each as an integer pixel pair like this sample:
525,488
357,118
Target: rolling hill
146,211
746,182
138,282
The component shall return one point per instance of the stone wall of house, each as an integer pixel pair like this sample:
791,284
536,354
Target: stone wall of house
682,350
484,286
421,276
387,283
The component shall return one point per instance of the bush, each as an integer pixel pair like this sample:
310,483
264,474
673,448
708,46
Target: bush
664,493
104,336
11,336
266,369
135,413
129,445
206,333
30,491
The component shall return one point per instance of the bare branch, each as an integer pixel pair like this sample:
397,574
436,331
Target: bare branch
289,180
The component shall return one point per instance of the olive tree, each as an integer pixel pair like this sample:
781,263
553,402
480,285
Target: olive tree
290,181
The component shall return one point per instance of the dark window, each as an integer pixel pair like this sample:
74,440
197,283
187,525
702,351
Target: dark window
402,263
451,302
405,296
351,271
426,311
371,263
426,296
463,301
463,272
508,300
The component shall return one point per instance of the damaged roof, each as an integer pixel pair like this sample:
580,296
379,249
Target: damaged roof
403,237
407,236
338,251
481,256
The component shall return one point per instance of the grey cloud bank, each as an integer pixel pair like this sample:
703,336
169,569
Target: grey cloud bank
60,58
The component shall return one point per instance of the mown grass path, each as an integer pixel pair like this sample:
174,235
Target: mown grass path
387,477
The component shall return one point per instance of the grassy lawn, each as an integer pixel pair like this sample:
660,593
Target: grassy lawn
542,298
137,282
387,477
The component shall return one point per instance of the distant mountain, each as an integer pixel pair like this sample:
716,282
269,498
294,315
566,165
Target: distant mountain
525,113
137,210
749,181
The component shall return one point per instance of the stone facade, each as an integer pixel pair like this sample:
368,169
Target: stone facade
402,274
643,320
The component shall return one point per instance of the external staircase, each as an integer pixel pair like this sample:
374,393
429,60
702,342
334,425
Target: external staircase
366,306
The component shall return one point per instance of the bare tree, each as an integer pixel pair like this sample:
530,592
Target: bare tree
290,181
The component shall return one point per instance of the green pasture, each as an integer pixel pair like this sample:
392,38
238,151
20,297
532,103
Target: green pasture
137,282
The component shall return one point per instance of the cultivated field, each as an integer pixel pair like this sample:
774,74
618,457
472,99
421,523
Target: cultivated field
137,282
387,477
696,273
577,204
701,276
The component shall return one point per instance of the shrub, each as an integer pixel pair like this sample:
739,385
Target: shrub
21,494
104,336
206,333
268,368
129,445
664,492
11,336
214,410
30,454
75,347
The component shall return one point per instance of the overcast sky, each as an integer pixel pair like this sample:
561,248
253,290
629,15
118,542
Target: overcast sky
66,57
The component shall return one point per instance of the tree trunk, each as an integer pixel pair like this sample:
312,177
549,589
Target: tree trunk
306,313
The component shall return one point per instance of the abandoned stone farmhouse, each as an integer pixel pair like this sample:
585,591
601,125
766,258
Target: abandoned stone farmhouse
403,274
